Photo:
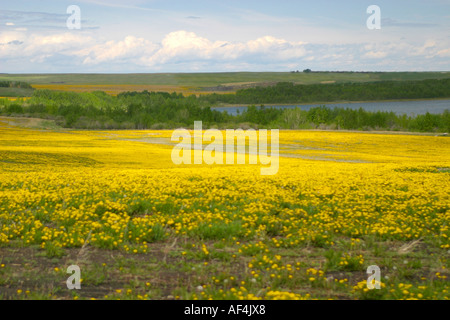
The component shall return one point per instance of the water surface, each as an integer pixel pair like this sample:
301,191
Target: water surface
409,108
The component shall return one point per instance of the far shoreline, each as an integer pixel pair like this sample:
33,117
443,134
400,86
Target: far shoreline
223,105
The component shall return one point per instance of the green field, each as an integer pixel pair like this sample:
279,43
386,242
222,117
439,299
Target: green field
16,92
216,79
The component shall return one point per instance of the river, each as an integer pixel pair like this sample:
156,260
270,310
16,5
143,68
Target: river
399,107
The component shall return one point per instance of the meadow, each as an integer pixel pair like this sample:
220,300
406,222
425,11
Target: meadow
197,83
141,227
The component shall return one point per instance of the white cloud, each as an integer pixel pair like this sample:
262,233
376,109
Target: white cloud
444,53
375,55
183,46
403,50
38,48
130,48
64,43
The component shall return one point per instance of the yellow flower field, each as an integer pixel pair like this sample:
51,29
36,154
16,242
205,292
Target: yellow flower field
340,202
116,89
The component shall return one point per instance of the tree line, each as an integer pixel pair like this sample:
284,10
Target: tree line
287,92
15,84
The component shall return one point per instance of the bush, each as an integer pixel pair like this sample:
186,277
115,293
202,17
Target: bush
14,108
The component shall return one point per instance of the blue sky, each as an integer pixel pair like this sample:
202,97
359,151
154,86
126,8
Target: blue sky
219,36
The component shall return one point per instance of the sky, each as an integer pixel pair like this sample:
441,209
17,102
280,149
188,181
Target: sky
153,36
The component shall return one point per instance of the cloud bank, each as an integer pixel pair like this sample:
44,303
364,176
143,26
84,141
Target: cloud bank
184,51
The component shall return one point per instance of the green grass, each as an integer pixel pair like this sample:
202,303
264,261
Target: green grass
222,267
215,79
15,92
